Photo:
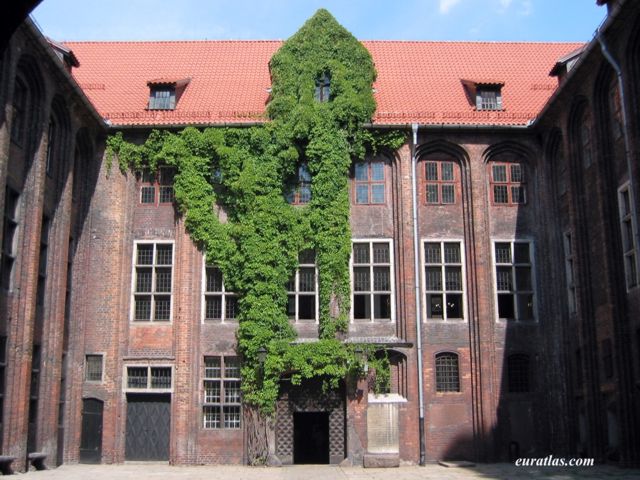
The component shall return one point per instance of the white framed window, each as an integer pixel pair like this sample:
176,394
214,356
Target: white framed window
148,378
372,281
514,280
222,400
152,281
443,279
627,228
570,278
302,289
219,305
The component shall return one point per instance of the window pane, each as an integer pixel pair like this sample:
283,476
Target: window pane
432,252
448,194
381,253
231,308
307,257
361,307
214,279
433,278
382,306
362,193
434,306
211,391
377,171
517,195
142,307
160,377
499,173
361,280
453,278
305,194
525,307
447,171
163,280
143,279
452,253
500,194
504,279
505,306
503,253
232,391
454,306
361,172
523,278
360,253
447,375
381,279
145,254
432,193
231,367
231,417
521,252
431,170
516,173
93,368
163,308
304,175
147,195
212,367
137,377
212,416
307,307
291,306
166,194
164,254
213,307
307,279
377,193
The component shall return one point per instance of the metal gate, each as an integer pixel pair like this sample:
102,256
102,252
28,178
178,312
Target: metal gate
91,436
148,427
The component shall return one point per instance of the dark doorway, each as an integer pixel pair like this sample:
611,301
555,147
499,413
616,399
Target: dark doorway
310,437
91,436
148,427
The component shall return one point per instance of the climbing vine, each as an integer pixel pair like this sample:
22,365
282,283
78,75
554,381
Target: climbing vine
246,172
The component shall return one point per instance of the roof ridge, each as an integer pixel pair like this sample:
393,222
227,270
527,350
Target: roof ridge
117,42
422,42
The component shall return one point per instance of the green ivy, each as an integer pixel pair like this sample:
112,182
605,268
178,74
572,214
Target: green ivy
247,172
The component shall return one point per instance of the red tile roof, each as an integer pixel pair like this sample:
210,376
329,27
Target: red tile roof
229,80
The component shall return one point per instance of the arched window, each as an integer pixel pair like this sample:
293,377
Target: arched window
518,375
586,139
20,105
447,372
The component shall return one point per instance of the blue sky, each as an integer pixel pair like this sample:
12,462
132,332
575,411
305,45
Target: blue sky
497,20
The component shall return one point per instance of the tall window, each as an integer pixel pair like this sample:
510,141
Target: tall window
152,282
42,265
586,140
301,193
323,88
369,182
18,120
222,401
447,372
488,98
629,248
51,145
514,280
440,182
219,304
508,183
10,238
372,281
302,289
157,188
518,373
444,280
162,98
569,271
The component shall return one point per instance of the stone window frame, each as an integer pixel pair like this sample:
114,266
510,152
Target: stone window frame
509,183
154,266
148,388
370,182
223,293
222,402
628,228
371,293
88,367
442,264
515,291
439,183
296,293
447,381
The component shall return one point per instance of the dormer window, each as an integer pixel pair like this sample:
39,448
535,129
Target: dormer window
489,98
323,88
162,98
165,93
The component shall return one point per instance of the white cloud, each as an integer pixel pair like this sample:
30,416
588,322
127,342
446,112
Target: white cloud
526,8
446,5
505,3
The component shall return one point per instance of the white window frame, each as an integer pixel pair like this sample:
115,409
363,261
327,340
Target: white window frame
102,357
622,219
148,366
296,293
423,279
534,284
223,293
371,241
132,311
569,254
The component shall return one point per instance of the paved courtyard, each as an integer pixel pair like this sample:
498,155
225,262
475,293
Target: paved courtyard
158,471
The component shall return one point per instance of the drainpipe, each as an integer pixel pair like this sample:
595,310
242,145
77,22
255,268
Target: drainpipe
633,185
416,270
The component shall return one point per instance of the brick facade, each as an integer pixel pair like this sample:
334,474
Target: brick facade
581,392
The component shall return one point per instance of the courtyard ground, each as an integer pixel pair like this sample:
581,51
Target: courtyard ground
162,471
